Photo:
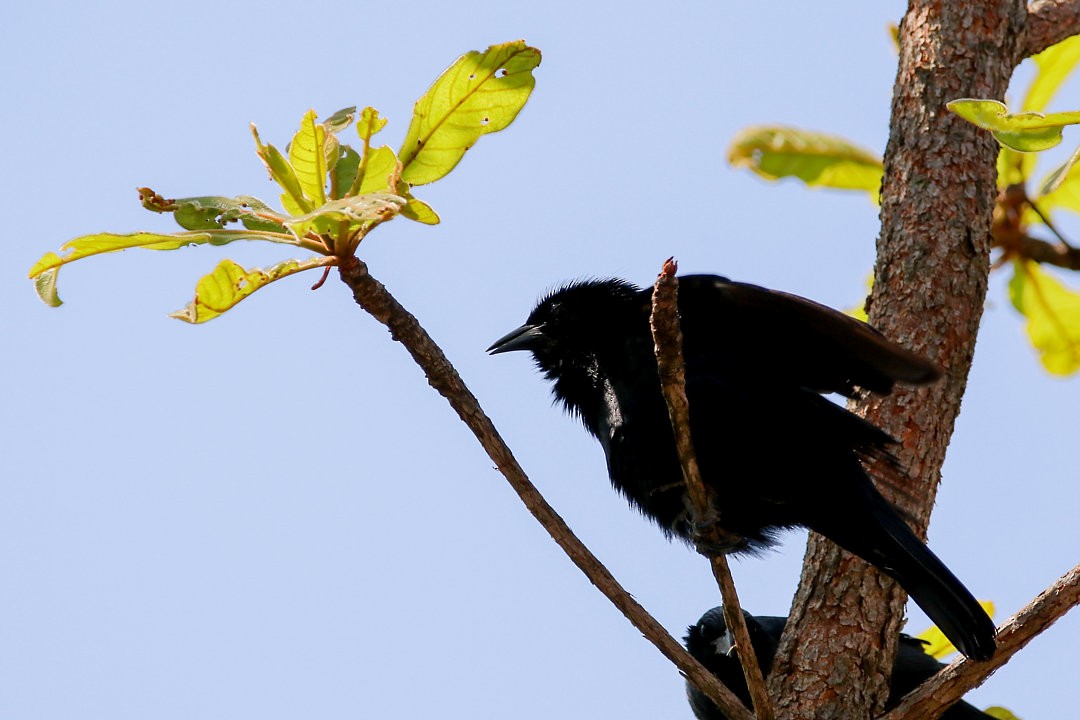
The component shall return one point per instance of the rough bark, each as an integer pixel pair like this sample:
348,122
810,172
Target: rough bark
1049,22
930,284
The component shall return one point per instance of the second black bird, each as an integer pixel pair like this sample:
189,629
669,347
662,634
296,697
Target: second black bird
710,643
775,451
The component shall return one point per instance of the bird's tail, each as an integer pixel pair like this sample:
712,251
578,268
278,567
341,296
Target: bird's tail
886,541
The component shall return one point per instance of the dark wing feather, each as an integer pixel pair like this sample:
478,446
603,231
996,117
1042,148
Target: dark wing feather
778,337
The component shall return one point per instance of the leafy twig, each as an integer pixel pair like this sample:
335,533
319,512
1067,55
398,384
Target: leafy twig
667,336
373,297
950,684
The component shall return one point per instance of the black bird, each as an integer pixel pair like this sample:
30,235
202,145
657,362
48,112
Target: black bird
711,644
775,451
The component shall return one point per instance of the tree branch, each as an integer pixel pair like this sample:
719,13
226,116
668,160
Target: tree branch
949,685
667,336
1047,253
373,297
1048,22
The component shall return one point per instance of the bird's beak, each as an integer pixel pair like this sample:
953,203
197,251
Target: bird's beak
525,337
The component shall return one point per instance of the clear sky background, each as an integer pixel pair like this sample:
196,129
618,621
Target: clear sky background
273,516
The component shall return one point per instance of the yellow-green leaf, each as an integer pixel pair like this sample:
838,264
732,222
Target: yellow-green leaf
344,173
1025,132
282,172
818,159
376,170
45,285
229,283
355,209
1053,316
859,311
44,270
1000,713
1054,63
936,644
369,124
1013,168
480,93
419,211
213,212
1061,188
307,155
340,120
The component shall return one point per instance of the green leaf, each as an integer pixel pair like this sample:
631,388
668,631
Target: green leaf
284,175
936,644
356,210
859,311
419,211
1053,314
230,283
45,284
818,159
340,120
1013,168
331,151
1025,132
480,93
213,212
381,163
1055,63
257,215
307,155
45,270
1000,713
370,123
99,243
344,172
1061,188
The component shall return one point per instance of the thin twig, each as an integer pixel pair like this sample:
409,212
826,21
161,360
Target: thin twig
373,297
949,685
1047,223
667,335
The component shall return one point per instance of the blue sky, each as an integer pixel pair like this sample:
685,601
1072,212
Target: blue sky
273,516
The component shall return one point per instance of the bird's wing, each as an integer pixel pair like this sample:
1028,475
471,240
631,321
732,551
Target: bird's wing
778,337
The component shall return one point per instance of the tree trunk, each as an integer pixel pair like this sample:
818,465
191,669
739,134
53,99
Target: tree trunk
930,284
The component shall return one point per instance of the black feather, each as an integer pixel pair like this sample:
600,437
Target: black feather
711,644
777,453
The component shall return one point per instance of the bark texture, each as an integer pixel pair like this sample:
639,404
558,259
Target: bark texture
930,285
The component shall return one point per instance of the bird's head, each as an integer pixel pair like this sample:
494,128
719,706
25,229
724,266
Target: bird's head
572,326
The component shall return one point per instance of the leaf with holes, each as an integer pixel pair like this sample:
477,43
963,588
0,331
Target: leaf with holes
214,212
229,283
1053,314
356,210
480,93
44,272
370,123
818,159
